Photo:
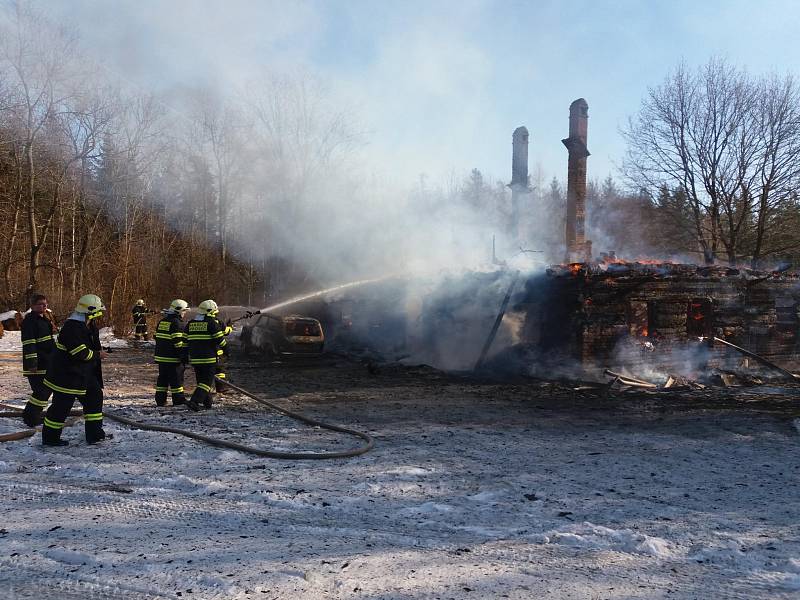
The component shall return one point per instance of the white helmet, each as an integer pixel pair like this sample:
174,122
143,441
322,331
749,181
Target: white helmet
90,304
208,307
178,306
140,302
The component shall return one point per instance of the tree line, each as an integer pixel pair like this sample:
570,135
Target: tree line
121,192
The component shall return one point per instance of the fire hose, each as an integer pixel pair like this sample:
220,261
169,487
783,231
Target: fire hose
370,442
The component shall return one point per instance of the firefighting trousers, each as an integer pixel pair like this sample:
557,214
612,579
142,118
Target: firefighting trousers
140,330
204,392
37,401
57,414
170,379
219,371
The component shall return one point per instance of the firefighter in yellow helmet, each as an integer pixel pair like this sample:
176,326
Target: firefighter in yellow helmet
171,354
75,372
204,335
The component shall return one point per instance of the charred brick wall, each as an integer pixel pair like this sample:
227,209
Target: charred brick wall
655,314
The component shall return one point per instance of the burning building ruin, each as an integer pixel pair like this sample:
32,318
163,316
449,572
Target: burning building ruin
659,317
652,318
589,315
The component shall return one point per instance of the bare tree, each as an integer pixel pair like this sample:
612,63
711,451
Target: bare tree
38,61
725,142
776,170
303,141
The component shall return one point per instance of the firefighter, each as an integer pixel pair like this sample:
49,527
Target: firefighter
222,357
75,372
171,354
204,334
140,312
37,347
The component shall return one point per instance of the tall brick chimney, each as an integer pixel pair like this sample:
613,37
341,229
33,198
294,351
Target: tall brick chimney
578,248
519,181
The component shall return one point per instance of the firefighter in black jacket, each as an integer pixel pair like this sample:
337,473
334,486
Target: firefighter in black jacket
140,312
204,334
75,372
37,347
171,354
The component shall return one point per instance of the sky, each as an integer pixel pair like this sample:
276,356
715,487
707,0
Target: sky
438,87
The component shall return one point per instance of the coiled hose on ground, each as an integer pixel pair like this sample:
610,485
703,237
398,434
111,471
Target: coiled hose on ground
370,442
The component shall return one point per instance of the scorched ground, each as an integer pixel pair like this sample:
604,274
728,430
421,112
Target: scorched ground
475,489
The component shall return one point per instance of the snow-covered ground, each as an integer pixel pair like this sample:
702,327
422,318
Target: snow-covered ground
474,490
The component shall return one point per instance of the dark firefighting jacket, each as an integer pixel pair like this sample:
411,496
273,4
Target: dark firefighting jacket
170,340
76,360
140,315
37,344
204,334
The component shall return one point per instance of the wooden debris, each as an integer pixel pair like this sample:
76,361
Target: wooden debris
630,381
755,356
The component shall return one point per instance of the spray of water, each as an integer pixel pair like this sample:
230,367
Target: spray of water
324,292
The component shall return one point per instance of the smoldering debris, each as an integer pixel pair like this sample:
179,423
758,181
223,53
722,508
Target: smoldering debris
654,326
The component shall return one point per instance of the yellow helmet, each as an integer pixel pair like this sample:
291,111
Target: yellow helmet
90,304
179,306
208,307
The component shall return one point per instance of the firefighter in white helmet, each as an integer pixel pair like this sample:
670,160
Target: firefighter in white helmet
204,334
75,372
171,353
140,312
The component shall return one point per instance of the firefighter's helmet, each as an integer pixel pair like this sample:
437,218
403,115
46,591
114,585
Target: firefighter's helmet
179,306
90,304
208,307
140,302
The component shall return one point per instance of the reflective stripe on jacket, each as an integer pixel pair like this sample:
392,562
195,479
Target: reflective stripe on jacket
76,360
37,344
170,340
204,335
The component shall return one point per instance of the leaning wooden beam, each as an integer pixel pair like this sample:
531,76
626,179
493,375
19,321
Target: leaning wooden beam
755,356
497,322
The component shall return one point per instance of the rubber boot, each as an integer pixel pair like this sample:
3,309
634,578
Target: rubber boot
94,432
178,399
208,400
52,437
161,398
192,404
32,415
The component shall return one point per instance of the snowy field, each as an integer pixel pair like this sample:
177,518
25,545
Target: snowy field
474,490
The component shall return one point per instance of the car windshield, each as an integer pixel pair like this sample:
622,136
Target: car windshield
308,328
